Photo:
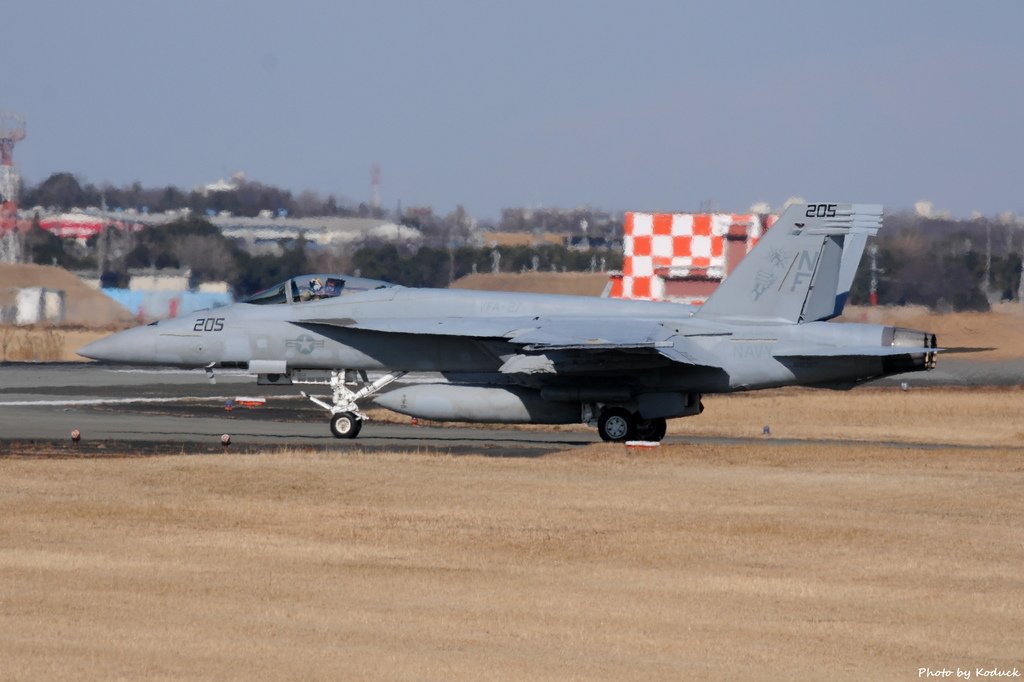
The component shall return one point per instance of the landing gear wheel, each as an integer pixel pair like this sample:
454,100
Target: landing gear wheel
345,425
616,424
651,429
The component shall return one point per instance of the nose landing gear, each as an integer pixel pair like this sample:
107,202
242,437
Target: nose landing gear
346,425
346,418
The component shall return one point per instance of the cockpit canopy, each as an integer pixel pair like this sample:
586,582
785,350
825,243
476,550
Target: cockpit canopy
314,288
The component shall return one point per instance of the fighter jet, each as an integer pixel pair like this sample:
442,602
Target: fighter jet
624,367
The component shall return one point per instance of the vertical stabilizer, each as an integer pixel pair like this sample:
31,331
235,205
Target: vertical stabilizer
853,250
800,270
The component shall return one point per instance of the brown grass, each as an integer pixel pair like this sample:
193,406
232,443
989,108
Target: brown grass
46,344
524,238
31,343
682,563
1001,329
570,283
989,416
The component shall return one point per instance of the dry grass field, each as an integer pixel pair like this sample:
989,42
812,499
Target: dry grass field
688,562
963,416
45,343
569,283
1001,329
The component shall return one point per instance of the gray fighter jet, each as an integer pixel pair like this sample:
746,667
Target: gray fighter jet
622,366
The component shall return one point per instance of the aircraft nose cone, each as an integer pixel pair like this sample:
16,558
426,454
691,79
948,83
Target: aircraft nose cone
133,345
102,349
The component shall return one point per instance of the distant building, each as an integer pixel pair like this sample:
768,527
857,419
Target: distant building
157,294
323,231
583,221
159,280
254,232
81,225
222,185
32,305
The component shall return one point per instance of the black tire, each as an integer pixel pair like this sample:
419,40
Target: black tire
651,429
345,425
616,425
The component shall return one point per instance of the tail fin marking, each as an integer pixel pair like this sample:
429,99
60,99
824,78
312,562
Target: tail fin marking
799,271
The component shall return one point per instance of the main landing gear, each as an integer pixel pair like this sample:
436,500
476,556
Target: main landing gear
346,419
616,424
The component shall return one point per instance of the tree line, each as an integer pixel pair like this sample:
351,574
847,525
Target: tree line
64,191
198,245
942,263
945,265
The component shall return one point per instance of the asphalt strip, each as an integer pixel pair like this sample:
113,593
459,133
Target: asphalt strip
111,401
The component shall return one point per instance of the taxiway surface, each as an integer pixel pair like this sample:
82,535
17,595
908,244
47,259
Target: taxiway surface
160,408
45,402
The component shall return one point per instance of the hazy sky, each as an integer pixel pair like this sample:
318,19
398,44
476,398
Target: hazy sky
658,105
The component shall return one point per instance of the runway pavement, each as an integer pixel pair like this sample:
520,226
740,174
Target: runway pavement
45,402
162,409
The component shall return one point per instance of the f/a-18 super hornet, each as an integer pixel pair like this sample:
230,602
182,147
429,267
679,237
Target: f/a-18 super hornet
622,366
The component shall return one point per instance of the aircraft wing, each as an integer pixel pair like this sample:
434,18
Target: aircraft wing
573,336
603,335
592,332
525,331
487,328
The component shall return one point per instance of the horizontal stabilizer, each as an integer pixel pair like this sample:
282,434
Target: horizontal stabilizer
965,349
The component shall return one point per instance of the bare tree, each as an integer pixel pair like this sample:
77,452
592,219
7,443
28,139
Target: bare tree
309,203
207,256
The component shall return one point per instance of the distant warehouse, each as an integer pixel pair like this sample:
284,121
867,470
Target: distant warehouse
263,230
323,231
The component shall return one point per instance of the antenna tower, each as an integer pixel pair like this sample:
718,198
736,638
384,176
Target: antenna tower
375,186
12,130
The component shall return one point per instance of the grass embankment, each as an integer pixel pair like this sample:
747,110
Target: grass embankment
45,343
964,416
